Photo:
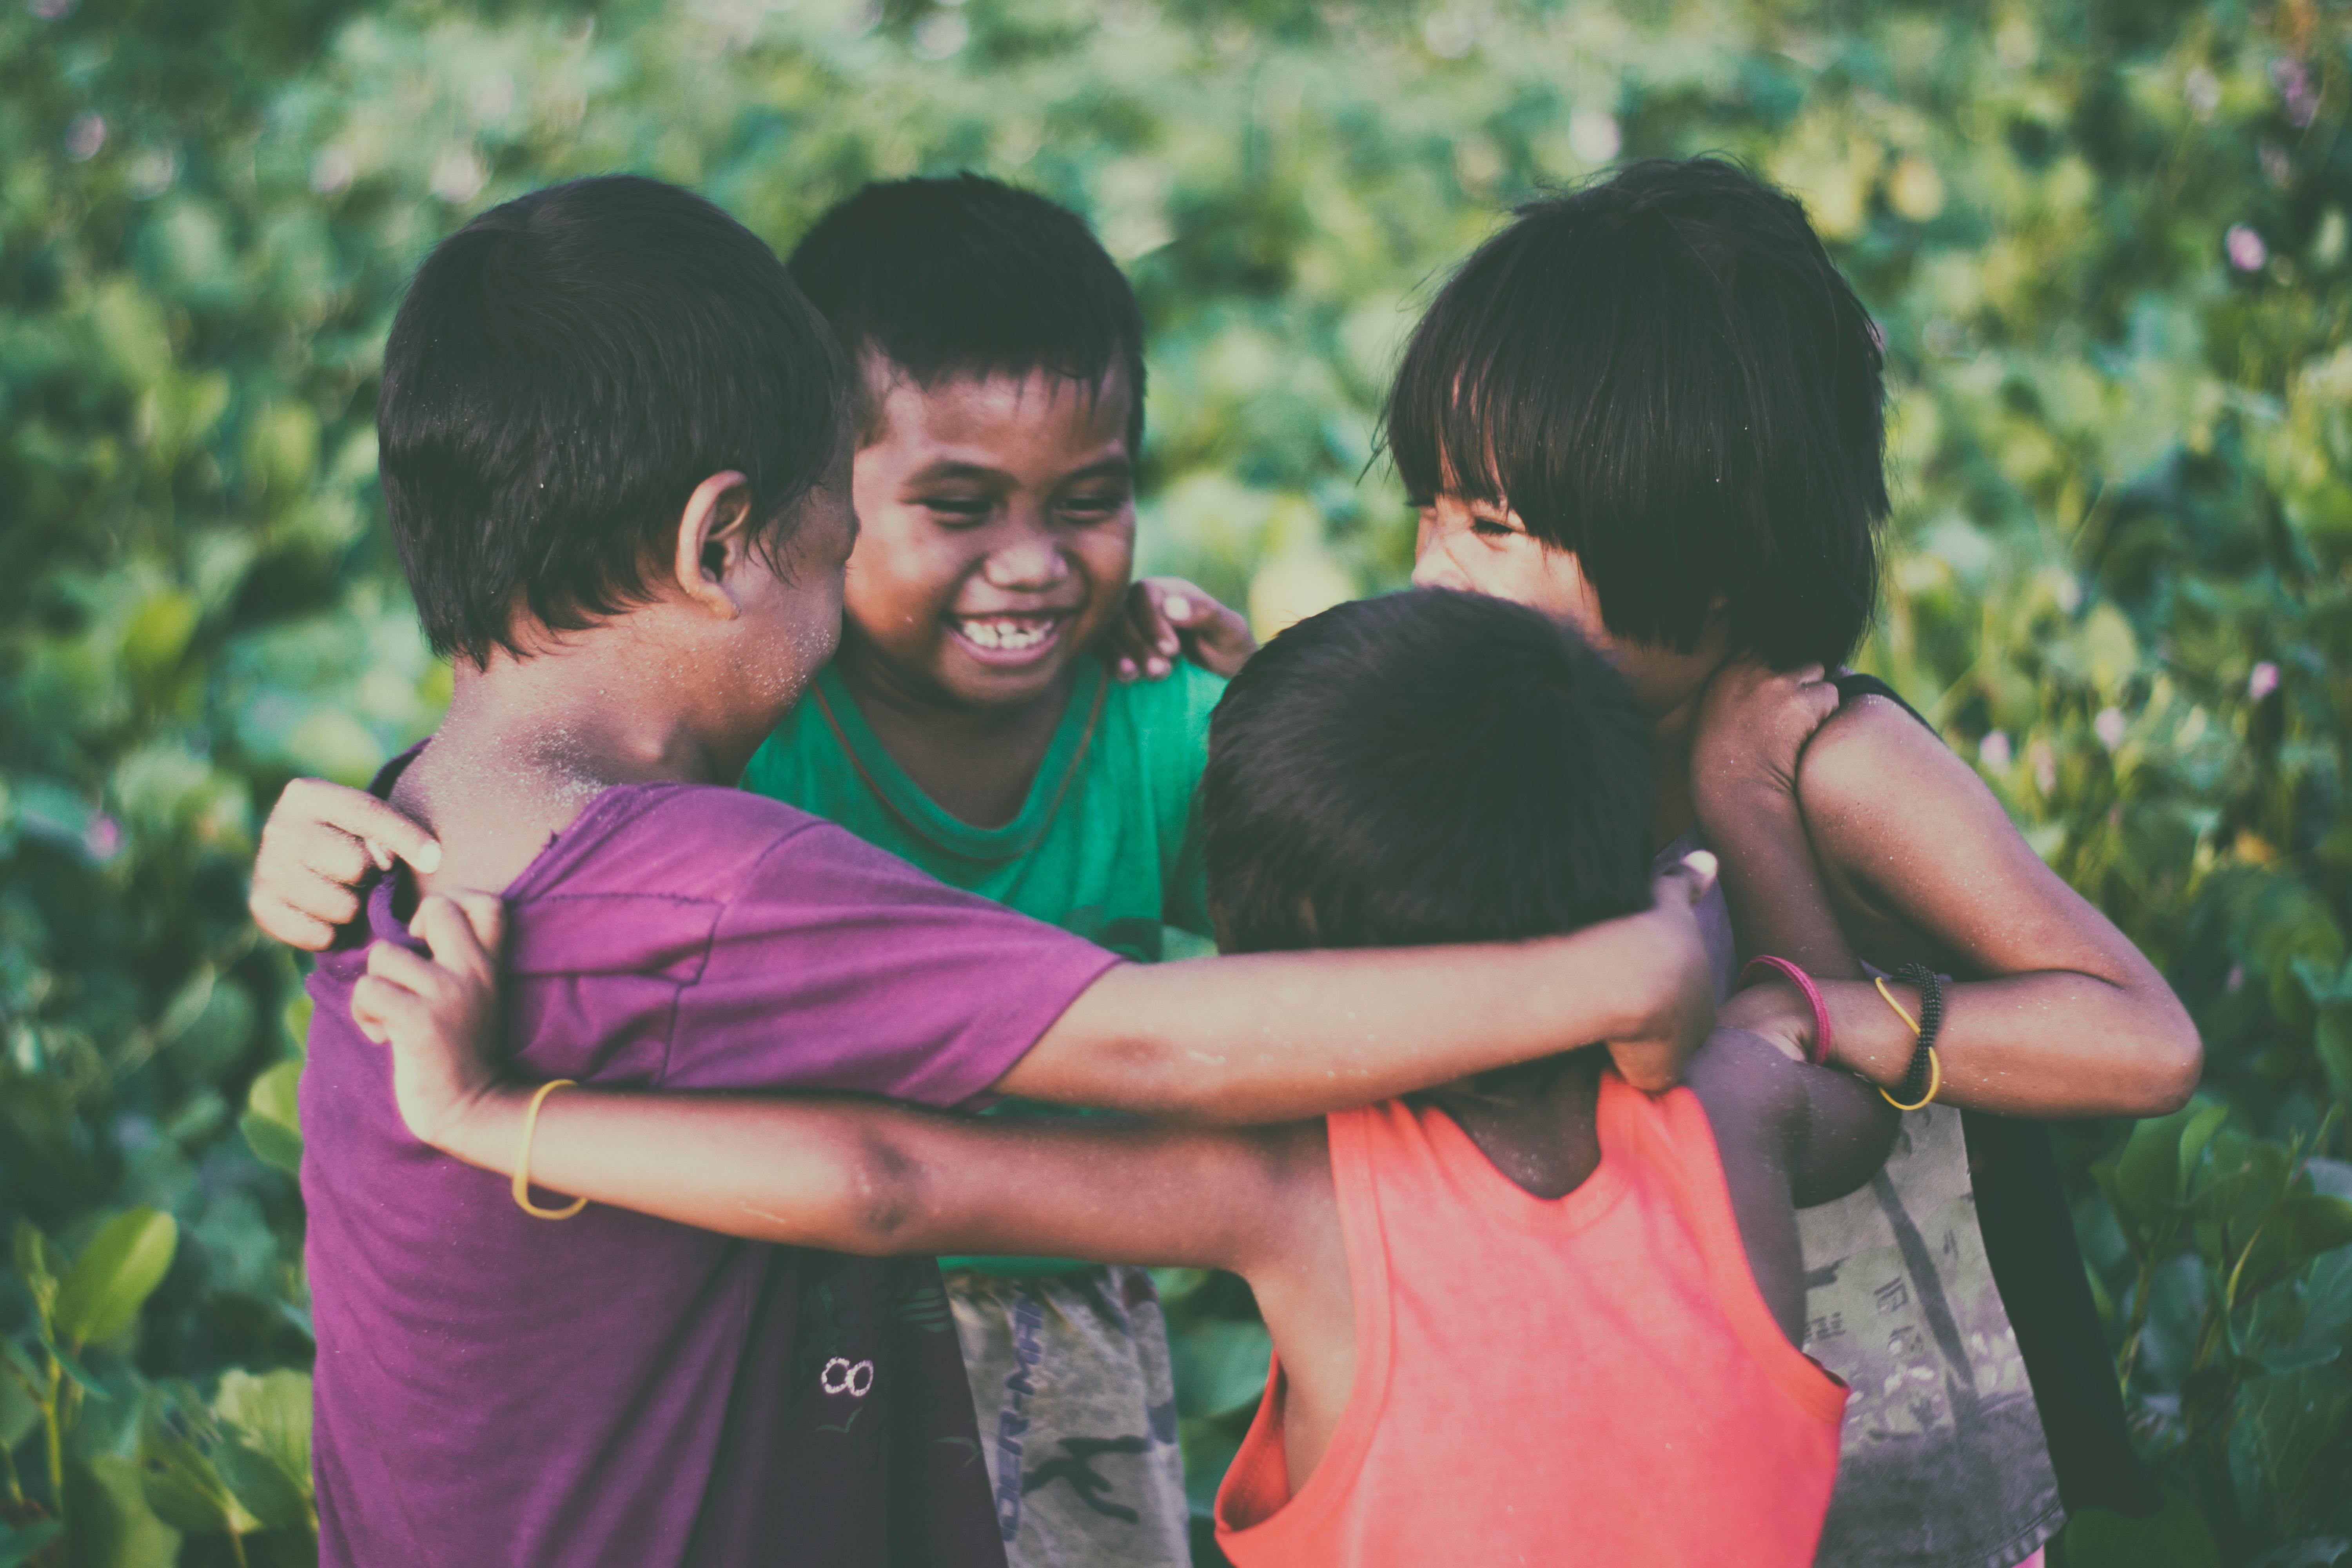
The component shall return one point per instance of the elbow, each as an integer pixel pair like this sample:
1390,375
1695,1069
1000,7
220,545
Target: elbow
882,1203
2168,1066
2174,1071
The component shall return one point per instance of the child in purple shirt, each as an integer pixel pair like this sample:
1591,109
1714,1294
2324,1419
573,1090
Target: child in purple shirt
615,459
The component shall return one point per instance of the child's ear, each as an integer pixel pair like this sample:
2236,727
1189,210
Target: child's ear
713,533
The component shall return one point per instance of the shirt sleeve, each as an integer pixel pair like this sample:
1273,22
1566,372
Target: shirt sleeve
837,966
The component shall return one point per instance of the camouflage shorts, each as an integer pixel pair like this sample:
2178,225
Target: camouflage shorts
1071,1381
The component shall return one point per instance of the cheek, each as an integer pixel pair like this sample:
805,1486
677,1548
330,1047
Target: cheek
1106,554
901,575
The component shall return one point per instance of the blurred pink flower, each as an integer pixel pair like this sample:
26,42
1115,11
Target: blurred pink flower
2263,681
2109,726
1994,751
102,837
2247,251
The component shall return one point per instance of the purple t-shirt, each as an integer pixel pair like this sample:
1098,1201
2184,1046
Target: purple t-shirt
494,1389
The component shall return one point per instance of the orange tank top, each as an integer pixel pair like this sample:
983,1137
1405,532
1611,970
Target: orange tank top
1592,1379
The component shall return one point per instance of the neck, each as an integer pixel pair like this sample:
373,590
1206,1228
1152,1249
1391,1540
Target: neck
975,762
1671,812
1536,1123
527,744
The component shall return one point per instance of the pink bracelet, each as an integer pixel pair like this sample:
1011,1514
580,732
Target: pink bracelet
1812,994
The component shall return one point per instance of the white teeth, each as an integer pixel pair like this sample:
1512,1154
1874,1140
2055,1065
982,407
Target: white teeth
1006,633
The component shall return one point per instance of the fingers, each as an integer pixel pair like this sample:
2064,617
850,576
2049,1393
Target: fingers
281,921
1134,643
364,818
449,930
487,913
1690,878
379,1007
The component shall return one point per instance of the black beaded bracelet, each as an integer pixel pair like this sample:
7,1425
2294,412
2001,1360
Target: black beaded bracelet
1915,1077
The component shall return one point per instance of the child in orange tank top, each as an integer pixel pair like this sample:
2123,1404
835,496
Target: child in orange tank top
1534,1316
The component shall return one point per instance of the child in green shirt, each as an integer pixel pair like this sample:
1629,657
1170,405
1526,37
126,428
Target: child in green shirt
1009,712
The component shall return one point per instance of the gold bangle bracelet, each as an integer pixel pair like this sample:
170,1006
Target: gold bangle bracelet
1935,1062
522,1160
1935,1082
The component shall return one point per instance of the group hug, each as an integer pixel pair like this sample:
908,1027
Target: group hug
744,1096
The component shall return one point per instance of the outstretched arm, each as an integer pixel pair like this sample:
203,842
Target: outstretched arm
845,1175
2056,1013
1280,1035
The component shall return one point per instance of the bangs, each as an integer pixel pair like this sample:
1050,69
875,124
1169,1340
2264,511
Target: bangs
1666,375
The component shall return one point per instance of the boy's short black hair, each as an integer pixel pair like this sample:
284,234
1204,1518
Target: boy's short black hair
564,370
969,277
1428,767
1666,373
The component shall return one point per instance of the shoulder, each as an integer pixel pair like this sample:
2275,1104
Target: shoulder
1173,712
1872,752
686,840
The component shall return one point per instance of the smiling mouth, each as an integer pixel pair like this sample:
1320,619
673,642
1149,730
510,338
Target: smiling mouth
1008,638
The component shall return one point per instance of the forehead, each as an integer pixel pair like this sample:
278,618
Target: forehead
1007,420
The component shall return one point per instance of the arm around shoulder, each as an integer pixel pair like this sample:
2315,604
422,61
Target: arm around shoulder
2057,1013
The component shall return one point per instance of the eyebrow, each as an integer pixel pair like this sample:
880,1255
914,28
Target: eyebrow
932,473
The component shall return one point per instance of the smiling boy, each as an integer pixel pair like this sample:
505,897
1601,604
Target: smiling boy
982,721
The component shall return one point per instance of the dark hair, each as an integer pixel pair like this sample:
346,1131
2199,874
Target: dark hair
566,368
1666,373
1432,766
966,276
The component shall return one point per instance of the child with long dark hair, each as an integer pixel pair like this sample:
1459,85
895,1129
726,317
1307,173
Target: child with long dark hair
1653,409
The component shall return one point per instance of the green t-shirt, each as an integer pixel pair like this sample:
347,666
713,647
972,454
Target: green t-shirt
1107,844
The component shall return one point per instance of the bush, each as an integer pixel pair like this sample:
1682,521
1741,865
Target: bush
2108,244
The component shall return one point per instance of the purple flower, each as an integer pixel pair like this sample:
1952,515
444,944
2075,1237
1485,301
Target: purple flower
2263,681
102,837
2247,251
2294,83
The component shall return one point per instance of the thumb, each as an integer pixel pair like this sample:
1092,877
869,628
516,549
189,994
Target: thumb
487,913
1694,875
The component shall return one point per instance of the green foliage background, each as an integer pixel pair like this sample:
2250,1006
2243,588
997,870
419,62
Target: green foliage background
2107,240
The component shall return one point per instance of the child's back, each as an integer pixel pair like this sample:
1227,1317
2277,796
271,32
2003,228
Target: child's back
1573,1304
1593,1376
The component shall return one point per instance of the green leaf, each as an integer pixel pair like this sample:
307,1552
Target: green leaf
115,1274
272,1413
2302,1227
181,1485
272,1124
2194,1138
2174,1536
1219,1364
2148,1172
18,1542
113,1527
2331,1040
2318,1552
262,1487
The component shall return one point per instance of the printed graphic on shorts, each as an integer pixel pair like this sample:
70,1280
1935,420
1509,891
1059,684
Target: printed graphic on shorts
1943,1461
1075,1399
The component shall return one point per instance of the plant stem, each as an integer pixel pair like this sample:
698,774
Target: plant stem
15,1482
55,1432
237,1548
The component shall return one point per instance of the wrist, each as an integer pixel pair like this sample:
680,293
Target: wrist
486,1130
1871,1041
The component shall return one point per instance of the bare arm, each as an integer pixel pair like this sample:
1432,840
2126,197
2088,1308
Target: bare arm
2057,1014
843,1174
1269,1037
1278,1036
1789,1136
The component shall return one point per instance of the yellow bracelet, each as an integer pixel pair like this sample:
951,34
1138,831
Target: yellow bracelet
1935,1062
522,1160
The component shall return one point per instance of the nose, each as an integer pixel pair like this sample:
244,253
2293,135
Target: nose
1026,559
1432,567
